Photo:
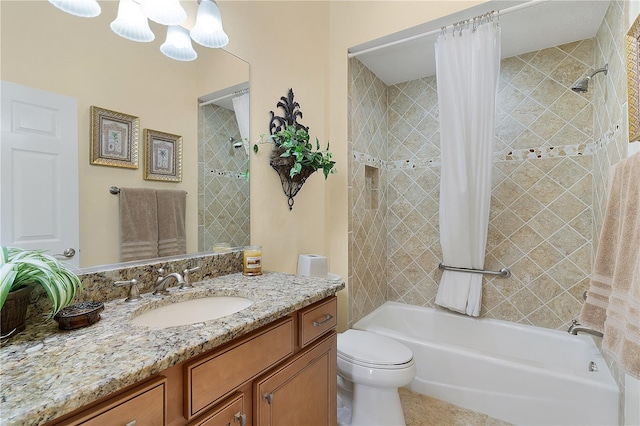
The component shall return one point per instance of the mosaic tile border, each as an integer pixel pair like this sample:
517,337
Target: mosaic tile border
582,149
226,173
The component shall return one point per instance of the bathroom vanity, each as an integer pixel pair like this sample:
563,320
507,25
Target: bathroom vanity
271,363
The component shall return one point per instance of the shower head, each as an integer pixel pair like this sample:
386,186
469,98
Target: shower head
235,143
582,85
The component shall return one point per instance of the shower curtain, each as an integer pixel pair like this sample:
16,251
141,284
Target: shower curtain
467,67
241,108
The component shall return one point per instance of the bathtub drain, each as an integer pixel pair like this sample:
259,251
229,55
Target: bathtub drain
593,367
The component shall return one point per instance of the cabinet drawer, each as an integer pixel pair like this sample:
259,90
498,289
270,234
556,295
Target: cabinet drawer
142,405
230,412
215,376
315,320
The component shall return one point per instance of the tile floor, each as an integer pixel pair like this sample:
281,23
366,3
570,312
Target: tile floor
422,410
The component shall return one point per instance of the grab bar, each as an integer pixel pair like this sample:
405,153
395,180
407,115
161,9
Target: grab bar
504,272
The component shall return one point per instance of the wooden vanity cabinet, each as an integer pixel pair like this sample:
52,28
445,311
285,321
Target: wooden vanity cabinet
281,374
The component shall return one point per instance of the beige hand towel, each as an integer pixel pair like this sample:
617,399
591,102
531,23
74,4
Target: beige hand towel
613,298
172,238
138,224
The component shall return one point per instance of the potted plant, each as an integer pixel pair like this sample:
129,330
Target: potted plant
20,270
292,144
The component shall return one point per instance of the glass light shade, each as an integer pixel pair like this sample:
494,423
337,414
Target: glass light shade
165,12
178,44
208,29
82,8
131,22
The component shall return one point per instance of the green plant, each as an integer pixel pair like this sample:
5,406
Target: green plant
294,144
19,267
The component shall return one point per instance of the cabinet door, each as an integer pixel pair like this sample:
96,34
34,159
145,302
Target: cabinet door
302,391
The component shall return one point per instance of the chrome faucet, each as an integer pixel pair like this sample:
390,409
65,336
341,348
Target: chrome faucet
162,282
576,328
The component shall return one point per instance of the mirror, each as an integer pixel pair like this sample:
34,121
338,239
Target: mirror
633,79
47,49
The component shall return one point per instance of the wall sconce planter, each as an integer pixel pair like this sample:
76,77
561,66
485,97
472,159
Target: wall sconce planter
293,156
290,185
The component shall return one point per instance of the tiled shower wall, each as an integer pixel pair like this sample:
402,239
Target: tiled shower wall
223,190
368,188
611,128
541,208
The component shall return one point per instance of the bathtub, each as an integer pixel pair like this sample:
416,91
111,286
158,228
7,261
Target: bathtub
521,374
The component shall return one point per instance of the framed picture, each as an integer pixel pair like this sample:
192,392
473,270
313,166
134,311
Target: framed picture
114,138
163,156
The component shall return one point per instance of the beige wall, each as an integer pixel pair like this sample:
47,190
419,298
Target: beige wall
45,48
288,46
285,47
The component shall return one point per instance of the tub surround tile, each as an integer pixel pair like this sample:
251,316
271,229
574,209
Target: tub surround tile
543,142
47,372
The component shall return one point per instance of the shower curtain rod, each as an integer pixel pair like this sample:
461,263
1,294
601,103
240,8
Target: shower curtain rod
239,92
436,31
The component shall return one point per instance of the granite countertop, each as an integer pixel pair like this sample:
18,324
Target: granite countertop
47,372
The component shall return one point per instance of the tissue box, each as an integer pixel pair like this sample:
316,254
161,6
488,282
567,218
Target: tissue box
312,265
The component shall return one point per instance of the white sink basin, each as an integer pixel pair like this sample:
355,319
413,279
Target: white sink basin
192,311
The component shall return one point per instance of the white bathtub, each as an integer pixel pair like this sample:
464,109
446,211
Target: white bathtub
521,374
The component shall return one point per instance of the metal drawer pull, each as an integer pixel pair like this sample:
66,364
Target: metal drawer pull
240,417
268,396
131,423
329,317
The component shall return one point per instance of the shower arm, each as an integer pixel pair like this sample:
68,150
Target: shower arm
604,69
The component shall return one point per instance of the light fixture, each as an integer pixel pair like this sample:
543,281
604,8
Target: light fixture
82,8
208,29
165,12
131,22
178,44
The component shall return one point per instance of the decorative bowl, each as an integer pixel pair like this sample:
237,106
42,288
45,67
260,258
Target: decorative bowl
79,315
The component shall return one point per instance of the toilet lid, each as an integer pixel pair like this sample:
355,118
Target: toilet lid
370,348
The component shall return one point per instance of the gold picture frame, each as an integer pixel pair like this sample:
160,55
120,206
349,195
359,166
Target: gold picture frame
114,138
163,156
633,79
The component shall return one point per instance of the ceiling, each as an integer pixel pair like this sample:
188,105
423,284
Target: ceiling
541,25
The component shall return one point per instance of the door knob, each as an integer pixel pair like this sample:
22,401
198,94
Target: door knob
70,252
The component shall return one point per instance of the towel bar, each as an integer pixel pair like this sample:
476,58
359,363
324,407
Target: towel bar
504,272
114,190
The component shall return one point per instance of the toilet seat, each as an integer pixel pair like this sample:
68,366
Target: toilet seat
373,350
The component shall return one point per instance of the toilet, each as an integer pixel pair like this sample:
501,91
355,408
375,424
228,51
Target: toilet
371,368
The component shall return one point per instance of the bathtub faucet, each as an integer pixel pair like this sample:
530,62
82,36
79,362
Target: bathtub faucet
576,328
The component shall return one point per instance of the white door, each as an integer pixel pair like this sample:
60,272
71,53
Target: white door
39,172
